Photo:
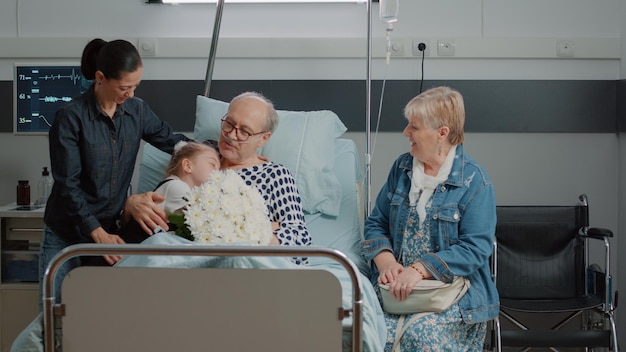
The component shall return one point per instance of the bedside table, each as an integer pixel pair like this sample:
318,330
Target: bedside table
20,234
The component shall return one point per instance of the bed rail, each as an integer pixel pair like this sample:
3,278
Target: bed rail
139,249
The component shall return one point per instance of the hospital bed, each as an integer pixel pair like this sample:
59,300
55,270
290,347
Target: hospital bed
169,295
218,303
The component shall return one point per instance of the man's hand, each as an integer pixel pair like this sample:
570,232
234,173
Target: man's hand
145,208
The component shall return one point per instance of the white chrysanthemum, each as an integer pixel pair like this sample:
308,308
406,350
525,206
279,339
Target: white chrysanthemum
226,210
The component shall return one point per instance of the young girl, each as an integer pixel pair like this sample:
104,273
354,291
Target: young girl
190,166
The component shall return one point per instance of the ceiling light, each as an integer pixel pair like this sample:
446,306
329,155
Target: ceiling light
255,1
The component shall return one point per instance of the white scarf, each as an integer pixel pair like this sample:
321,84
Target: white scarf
423,186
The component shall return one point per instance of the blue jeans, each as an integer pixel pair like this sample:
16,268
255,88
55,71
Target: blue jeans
50,245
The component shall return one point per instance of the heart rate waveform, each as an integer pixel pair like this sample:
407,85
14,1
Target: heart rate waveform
41,90
73,76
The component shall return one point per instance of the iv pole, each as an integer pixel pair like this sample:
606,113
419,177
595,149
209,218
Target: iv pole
368,97
213,49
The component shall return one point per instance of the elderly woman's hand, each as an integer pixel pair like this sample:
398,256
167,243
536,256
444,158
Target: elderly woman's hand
403,285
146,210
388,267
400,279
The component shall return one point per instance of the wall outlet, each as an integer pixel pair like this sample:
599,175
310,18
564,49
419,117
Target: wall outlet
445,48
417,52
565,48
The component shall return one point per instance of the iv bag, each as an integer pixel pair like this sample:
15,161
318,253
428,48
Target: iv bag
389,10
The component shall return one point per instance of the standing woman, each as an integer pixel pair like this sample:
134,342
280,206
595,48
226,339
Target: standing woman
435,218
94,143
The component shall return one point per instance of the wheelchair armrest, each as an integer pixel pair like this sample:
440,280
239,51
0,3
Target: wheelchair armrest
596,232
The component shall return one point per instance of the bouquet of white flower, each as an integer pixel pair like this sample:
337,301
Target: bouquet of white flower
226,210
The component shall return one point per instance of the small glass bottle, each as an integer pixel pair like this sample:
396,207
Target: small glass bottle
45,186
23,192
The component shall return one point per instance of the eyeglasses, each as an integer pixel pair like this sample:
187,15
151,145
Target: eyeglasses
241,134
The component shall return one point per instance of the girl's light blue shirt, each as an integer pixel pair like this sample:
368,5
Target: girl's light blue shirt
462,222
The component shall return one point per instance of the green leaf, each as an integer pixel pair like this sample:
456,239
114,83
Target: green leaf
181,229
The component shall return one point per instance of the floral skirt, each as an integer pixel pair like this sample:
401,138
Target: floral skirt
443,332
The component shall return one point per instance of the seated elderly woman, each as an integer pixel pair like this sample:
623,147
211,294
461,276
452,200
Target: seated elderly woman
435,218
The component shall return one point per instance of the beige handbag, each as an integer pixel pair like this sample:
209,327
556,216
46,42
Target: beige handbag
431,296
427,297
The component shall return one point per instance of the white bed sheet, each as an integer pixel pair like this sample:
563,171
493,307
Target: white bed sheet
373,331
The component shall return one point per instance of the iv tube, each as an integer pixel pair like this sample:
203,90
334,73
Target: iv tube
388,39
389,13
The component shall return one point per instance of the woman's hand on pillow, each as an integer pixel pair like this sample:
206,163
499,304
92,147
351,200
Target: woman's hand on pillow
146,209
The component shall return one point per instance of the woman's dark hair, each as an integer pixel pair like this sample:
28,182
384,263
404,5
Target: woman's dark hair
88,65
111,58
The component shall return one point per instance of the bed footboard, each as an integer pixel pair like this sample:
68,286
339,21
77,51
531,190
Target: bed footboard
193,309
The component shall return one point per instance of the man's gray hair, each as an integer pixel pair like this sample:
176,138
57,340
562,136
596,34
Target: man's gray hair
272,115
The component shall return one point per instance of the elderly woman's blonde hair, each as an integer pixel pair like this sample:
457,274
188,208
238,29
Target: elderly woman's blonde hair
437,107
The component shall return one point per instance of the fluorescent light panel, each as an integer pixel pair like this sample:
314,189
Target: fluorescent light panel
253,1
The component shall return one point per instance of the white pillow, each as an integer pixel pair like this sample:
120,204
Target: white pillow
304,142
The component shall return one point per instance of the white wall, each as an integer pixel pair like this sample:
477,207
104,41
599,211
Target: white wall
495,39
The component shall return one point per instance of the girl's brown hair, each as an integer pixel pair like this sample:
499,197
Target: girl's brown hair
185,150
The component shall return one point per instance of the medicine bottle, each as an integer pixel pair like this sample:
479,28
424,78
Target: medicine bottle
23,192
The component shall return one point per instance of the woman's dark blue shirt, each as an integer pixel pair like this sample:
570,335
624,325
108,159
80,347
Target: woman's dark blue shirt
93,159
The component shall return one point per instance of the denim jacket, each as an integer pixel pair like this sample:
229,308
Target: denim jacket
462,222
